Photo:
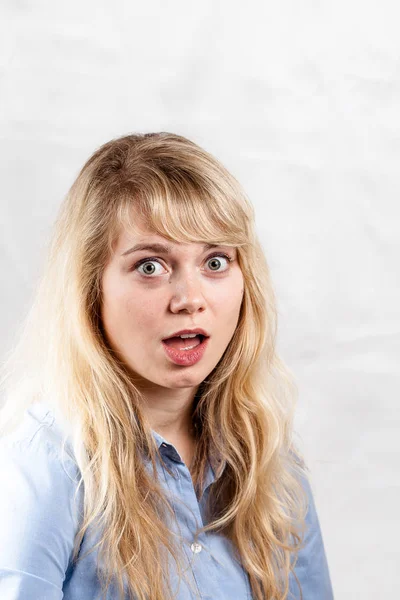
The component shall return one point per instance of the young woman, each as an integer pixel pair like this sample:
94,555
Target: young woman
147,446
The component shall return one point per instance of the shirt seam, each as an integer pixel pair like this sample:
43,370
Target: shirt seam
18,571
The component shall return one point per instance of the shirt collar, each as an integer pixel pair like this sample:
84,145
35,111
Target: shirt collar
166,449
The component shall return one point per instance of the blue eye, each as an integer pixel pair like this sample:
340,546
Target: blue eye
228,258
144,263
148,261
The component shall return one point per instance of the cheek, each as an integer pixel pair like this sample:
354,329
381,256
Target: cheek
125,312
231,296
116,304
144,313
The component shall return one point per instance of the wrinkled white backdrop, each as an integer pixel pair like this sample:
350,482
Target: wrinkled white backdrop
301,101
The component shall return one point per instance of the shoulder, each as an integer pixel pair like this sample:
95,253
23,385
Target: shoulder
37,428
39,448
311,567
40,503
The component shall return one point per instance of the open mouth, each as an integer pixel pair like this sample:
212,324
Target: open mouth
184,343
185,351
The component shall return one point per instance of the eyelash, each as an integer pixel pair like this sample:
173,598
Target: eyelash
154,259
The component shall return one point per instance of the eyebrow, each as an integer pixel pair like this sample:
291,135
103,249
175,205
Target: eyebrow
161,248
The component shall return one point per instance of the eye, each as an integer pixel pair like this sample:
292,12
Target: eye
146,265
214,258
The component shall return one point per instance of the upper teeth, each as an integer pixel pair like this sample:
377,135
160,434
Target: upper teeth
188,335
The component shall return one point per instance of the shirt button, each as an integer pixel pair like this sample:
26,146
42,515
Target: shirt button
196,548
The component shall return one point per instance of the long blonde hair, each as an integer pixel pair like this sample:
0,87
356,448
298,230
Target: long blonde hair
244,409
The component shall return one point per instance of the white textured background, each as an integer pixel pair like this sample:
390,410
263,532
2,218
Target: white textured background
301,101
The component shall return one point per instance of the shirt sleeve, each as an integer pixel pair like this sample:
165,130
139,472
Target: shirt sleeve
311,567
38,521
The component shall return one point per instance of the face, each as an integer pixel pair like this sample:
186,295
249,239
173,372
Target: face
150,294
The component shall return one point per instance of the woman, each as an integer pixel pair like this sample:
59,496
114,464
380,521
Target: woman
147,448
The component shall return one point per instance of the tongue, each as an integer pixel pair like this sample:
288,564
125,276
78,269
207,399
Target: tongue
179,343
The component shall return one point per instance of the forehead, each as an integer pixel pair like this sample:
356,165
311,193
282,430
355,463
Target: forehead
136,227
138,232
129,242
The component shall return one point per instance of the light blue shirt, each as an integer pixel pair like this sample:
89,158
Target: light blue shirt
39,520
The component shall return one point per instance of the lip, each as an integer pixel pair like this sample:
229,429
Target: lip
182,331
186,358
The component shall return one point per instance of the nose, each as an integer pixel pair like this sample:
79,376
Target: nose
187,293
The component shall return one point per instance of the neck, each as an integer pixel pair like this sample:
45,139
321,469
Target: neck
169,412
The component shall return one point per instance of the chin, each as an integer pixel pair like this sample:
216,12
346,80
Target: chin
184,380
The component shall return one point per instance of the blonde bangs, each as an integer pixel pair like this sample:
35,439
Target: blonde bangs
181,210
